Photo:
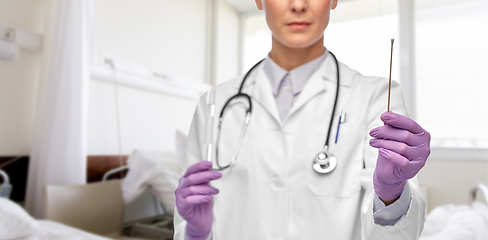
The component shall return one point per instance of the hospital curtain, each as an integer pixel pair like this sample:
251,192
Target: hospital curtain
58,151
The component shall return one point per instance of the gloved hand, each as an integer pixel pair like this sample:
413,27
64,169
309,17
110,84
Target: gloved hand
194,200
403,149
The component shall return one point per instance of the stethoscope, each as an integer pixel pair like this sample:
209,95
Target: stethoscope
323,162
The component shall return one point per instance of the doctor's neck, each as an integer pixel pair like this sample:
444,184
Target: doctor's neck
289,58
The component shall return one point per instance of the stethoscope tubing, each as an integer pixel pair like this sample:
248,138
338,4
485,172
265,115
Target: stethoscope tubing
240,94
335,101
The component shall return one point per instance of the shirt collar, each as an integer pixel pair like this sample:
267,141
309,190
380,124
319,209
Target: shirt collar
299,75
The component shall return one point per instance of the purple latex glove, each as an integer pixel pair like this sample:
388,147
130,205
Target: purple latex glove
403,149
194,199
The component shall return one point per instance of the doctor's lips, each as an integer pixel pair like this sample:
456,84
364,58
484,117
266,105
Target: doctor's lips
298,25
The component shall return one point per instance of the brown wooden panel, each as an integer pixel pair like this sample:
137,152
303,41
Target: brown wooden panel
98,165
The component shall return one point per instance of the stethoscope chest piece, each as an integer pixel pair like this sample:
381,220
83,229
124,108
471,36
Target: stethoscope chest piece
324,162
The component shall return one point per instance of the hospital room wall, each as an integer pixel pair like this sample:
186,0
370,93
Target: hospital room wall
18,79
148,118
450,174
169,36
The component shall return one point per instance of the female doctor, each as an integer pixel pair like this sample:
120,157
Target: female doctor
276,188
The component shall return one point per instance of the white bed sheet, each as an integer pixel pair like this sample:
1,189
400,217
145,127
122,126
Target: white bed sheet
452,222
53,231
16,223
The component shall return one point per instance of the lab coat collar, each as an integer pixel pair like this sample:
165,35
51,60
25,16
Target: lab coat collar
323,79
329,72
299,75
263,94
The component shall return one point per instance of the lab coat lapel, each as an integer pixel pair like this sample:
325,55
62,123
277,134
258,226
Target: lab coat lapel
263,94
317,84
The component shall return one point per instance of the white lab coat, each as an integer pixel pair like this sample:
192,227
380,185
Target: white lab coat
273,192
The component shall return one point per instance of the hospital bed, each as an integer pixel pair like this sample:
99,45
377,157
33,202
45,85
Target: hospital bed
16,223
460,222
148,190
145,216
104,210
138,206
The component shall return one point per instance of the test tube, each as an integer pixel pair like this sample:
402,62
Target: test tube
210,123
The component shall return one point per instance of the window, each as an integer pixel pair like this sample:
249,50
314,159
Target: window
257,41
452,72
451,59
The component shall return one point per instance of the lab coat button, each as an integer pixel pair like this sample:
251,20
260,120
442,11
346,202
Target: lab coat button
288,130
279,182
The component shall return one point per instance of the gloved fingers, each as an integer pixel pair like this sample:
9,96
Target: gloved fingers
198,167
202,189
384,171
186,204
410,170
388,132
402,122
200,178
397,147
414,165
397,159
197,199
405,169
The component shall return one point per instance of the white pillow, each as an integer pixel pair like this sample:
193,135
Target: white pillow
15,222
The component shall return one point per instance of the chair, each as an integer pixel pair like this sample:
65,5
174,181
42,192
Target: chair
97,207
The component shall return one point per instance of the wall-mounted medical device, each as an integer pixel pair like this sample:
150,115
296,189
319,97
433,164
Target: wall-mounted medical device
120,72
13,38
